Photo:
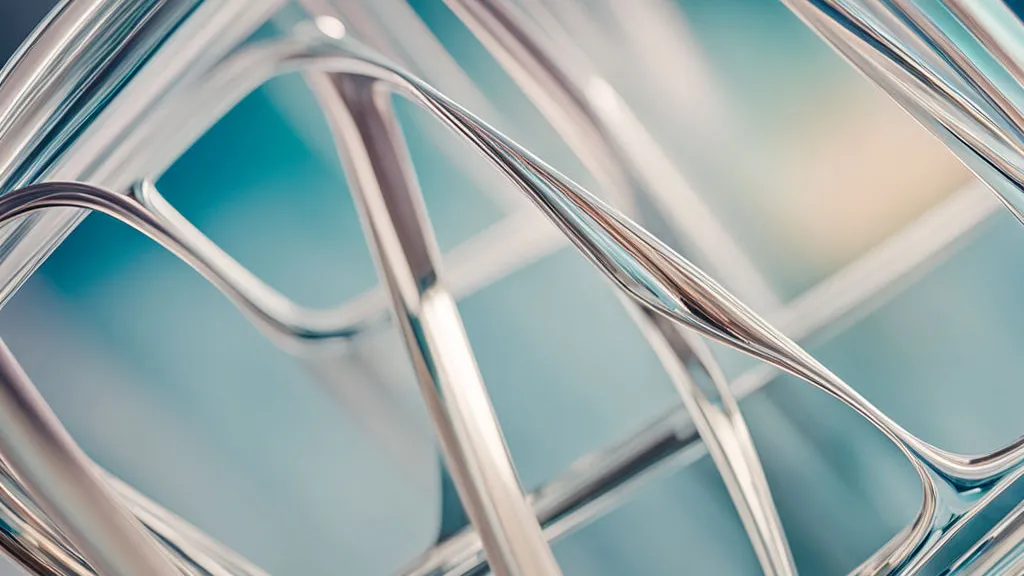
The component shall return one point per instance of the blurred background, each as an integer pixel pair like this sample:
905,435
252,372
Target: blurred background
807,166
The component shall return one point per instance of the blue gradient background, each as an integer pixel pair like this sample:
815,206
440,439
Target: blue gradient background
165,384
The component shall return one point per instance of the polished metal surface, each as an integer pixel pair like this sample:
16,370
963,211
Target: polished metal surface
62,481
605,134
54,87
384,184
565,91
64,515
646,269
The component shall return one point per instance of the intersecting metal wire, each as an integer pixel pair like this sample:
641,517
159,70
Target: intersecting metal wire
66,516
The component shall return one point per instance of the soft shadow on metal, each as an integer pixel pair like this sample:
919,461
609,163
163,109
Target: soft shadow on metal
66,516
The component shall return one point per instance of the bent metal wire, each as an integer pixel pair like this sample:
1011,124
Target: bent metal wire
98,525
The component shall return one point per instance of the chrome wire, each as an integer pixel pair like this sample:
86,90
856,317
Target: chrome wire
645,268
62,481
384,185
949,86
679,290
604,479
899,47
592,123
605,134
580,494
634,260
1000,551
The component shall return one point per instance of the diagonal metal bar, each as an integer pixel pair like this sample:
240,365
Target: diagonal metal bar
552,82
605,479
61,479
605,134
391,206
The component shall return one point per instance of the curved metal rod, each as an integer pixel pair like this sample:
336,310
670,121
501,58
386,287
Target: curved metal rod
602,480
657,277
633,259
180,538
553,83
986,139
384,185
978,17
943,97
983,86
977,468
1000,551
294,328
715,412
318,338
630,257
146,210
61,479
668,437
30,536
606,136
38,543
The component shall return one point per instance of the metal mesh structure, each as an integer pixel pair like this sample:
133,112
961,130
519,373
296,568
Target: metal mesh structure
106,94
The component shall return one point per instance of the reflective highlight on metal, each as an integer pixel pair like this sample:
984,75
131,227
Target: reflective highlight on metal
63,515
370,142
600,129
58,475
905,46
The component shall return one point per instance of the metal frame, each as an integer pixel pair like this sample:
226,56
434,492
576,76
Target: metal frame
216,64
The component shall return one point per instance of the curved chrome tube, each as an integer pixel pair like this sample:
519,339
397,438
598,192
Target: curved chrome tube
999,552
558,84
62,480
660,279
634,260
384,185
905,49
896,45
606,136
294,328
668,283
33,539
582,494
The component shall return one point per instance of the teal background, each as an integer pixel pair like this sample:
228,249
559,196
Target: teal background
165,384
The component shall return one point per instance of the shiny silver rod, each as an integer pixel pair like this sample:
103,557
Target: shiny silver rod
612,143
87,80
555,83
585,492
62,480
387,194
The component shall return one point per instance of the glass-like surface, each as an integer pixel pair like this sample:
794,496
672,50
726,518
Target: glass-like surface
280,473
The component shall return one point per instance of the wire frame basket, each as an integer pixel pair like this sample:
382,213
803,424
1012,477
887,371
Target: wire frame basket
108,93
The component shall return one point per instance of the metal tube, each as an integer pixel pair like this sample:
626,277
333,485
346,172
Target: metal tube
62,480
393,217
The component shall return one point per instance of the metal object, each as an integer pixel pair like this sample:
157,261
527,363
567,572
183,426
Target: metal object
188,62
